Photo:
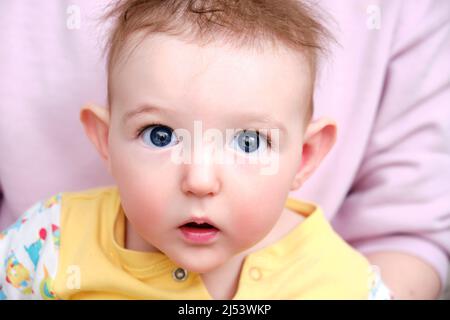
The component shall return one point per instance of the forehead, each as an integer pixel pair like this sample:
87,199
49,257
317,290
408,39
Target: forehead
216,78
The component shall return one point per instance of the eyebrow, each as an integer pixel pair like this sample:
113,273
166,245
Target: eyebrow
256,118
248,117
142,110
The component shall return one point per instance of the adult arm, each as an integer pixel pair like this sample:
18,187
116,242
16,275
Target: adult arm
398,209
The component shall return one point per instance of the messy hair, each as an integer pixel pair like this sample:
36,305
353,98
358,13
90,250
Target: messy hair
242,23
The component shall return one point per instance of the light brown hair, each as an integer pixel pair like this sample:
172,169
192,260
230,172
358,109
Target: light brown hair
242,23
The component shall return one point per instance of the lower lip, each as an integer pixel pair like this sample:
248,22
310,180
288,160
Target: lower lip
197,235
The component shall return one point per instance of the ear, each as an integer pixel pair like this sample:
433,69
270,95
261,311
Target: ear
95,121
320,136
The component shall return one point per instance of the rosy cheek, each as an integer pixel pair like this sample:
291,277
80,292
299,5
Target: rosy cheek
249,229
145,192
255,204
251,220
141,209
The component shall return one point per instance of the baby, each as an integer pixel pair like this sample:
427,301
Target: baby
208,128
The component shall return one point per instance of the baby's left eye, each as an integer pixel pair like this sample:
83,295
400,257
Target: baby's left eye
250,141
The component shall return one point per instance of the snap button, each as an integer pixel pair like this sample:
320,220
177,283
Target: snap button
179,274
255,273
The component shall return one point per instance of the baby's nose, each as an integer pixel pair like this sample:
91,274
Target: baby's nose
201,180
201,177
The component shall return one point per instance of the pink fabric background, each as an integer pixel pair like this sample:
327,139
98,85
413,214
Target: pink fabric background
386,184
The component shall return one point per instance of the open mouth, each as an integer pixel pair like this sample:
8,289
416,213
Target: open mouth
199,225
199,232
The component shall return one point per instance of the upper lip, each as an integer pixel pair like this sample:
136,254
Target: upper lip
199,221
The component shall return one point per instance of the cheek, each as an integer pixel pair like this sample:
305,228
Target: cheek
143,208
252,222
257,203
145,182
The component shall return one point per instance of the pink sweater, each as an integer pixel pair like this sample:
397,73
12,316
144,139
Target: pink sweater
386,184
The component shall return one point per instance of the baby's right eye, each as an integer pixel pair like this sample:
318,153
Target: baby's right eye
159,136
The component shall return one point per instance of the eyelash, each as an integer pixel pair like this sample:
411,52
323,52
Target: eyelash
143,128
268,137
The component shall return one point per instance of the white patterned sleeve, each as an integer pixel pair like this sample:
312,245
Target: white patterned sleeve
29,251
377,289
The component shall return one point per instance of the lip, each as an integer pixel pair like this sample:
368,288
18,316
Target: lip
198,235
198,221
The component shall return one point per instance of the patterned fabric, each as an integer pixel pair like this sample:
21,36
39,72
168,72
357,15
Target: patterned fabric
29,252
378,290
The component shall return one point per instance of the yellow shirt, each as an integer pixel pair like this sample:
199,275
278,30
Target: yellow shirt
311,262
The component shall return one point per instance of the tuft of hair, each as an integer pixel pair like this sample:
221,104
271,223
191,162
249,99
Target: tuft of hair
242,23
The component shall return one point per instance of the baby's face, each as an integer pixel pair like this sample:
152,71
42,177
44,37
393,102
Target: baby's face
176,86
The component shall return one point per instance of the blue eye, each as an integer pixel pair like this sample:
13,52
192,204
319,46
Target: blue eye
251,141
158,135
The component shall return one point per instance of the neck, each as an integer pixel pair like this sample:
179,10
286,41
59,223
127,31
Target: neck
134,242
222,283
